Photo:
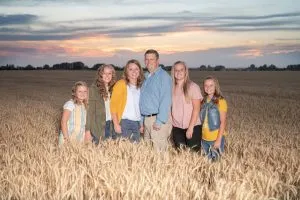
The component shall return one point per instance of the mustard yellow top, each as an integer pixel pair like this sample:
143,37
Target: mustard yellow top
212,135
118,98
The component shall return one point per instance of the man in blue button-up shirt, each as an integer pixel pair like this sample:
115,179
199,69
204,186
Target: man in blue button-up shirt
155,102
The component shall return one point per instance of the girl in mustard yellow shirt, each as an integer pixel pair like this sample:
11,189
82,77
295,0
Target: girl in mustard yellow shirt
213,117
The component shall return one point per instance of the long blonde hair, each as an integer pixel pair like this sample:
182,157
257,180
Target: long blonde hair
186,82
74,89
101,85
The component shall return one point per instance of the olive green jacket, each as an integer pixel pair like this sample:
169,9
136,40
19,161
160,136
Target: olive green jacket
95,119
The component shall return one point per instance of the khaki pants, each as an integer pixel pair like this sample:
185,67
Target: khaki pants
160,138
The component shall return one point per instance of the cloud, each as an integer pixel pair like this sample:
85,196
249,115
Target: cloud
42,2
288,39
244,29
18,49
278,15
237,23
17,19
188,15
63,33
238,56
33,37
159,24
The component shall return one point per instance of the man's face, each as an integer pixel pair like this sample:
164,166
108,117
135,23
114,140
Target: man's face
151,62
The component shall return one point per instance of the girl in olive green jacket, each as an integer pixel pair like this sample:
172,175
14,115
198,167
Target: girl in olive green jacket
98,124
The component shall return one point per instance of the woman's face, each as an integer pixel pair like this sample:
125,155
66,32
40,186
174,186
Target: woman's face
133,71
209,87
179,72
107,75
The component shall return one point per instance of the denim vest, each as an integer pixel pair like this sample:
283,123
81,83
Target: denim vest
213,115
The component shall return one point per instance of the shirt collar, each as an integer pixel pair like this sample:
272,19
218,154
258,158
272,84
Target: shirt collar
156,71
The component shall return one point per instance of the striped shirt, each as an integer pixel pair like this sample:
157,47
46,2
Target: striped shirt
76,122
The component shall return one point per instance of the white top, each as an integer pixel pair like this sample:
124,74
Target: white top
75,123
132,108
107,108
69,105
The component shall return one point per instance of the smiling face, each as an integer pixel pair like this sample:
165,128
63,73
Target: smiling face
107,75
81,93
151,62
179,72
209,87
133,72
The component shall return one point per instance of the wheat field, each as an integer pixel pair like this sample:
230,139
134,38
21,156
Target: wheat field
261,159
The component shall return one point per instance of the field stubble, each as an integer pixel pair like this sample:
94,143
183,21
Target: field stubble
261,160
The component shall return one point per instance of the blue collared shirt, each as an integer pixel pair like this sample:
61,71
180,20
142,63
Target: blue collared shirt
156,95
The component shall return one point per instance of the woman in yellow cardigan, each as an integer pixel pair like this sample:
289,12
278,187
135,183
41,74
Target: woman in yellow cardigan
124,103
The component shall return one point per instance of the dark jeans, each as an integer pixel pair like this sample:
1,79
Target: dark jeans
109,130
95,139
108,133
130,129
180,140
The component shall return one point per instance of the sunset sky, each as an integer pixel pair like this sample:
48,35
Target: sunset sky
233,33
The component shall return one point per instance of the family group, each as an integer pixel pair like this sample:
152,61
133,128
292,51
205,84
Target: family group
155,106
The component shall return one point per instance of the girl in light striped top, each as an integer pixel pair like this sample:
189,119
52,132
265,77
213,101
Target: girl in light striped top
74,115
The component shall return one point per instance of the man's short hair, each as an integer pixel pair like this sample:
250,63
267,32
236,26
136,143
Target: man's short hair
152,51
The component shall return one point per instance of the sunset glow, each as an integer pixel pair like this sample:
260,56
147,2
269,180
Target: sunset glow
231,33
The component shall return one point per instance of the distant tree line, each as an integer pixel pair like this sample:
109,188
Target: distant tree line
61,66
252,67
81,66
272,67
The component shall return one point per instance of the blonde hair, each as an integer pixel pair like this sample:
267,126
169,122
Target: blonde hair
186,82
75,88
100,83
140,78
217,94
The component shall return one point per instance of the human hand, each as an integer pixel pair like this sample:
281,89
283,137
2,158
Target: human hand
118,129
142,129
156,127
88,136
189,133
66,138
217,144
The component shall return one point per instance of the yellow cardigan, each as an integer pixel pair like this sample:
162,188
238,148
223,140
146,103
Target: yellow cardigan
118,98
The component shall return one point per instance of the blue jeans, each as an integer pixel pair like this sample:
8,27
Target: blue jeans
130,129
109,130
212,153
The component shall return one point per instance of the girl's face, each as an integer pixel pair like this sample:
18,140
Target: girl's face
179,72
81,93
133,71
107,75
209,87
